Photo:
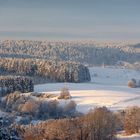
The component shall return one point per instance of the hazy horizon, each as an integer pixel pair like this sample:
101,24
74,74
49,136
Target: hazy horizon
70,20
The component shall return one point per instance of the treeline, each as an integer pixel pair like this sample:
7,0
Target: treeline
9,84
51,70
89,52
97,125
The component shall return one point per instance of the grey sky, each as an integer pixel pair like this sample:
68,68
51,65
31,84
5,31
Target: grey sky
70,19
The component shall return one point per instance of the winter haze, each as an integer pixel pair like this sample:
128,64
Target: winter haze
70,20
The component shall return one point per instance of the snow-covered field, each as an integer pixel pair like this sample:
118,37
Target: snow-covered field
108,87
131,137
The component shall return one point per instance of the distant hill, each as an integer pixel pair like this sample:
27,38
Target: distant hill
88,53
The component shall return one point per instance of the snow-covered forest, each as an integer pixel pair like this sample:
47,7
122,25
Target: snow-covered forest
9,84
45,70
91,89
86,52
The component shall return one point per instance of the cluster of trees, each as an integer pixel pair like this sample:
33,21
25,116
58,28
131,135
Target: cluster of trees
7,132
54,71
133,83
89,52
9,84
132,120
97,125
30,107
65,123
128,65
64,94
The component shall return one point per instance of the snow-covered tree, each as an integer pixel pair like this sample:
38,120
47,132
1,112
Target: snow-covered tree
64,94
132,120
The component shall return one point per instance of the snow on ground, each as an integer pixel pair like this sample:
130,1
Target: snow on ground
131,137
2,113
108,87
113,75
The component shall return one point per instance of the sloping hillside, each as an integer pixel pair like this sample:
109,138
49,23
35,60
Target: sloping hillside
108,87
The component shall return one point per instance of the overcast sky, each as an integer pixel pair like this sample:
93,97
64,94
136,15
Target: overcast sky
70,19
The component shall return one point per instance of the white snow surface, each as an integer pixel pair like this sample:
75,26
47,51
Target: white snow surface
2,114
128,137
108,87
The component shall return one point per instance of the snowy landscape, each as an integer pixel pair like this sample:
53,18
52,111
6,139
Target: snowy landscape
70,70
102,86
36,90
108,87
